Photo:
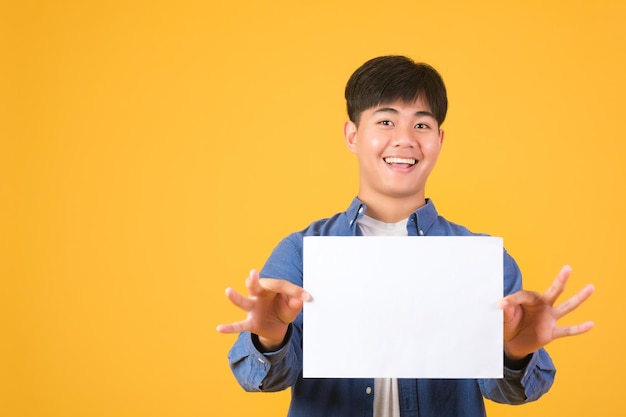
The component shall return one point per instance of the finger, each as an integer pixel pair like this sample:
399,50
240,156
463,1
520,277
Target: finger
252,283
236,327
520,297
558,285
573,303
573,330
285,287
508,312
239,300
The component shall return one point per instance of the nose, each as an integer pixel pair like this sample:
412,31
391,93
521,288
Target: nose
403,138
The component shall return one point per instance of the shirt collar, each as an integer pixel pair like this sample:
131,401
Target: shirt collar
355,211
425,215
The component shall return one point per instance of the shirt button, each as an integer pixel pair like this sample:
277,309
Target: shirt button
360,210
421,232
368,390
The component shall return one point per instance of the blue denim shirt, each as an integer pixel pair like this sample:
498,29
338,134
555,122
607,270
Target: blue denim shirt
313,397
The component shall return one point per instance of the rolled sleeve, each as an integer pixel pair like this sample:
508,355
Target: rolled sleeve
257,371
524,385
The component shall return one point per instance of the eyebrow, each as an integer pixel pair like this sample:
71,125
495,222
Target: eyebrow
392,110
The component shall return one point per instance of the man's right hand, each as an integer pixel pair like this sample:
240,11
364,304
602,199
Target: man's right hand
271,305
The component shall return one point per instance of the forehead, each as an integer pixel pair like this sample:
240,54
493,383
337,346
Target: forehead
419,106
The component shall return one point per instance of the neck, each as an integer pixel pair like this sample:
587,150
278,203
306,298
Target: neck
392,210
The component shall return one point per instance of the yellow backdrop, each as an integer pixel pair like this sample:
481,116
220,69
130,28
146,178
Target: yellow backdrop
153,152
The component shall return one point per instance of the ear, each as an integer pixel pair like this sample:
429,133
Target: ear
441,135
350,134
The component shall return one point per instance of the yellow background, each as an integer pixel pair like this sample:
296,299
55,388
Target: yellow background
153,152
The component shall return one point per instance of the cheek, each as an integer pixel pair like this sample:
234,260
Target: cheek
431,147
372,145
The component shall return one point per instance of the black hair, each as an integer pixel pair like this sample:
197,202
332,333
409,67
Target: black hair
386,79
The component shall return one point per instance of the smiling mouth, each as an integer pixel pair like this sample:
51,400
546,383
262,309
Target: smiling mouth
400,161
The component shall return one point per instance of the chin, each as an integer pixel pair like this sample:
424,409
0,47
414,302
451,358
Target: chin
405,194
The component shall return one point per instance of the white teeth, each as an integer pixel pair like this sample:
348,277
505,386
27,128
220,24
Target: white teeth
393,160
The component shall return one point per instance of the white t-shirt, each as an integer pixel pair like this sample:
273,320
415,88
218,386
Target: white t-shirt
386,397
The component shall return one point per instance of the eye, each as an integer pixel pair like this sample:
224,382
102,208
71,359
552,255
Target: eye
386,123
421,126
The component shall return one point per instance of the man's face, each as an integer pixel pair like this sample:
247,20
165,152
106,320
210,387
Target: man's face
397,146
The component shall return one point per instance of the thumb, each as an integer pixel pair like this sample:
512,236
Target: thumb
508,310
252,283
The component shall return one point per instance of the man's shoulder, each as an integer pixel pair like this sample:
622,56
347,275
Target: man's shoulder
448,228
335,225
431,223
286,258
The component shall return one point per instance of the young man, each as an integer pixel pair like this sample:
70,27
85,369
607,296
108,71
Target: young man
396,108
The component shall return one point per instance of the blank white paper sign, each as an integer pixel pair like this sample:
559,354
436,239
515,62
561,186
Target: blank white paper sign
403,307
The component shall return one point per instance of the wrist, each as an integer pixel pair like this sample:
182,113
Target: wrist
269,345
516,363
266,345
